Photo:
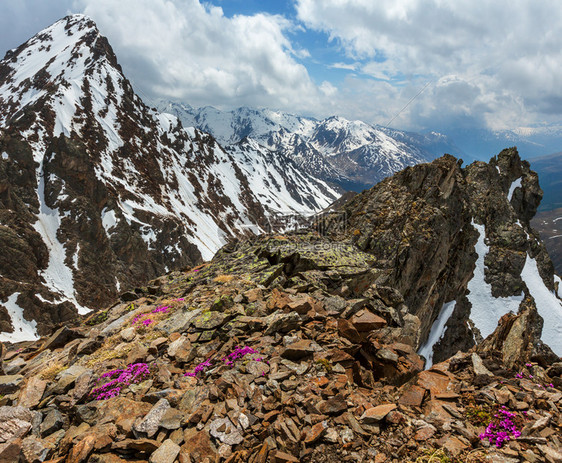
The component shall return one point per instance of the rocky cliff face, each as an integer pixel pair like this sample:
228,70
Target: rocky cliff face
98,192
457,244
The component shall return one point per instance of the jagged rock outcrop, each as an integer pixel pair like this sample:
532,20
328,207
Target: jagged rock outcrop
457,243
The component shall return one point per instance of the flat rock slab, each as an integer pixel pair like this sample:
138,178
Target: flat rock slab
378,413
31,395
282,457
299,349
209,320
151,422
332,406
434,381
223,430
365,320
412,396
198,445
166,453
12,429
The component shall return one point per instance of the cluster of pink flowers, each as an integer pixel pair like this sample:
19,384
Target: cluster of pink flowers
502,429
238,353
148,321
202,366
521,376
229,360
119,379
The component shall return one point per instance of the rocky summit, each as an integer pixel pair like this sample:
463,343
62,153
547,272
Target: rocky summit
358,339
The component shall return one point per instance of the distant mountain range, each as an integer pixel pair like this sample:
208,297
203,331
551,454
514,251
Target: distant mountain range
350,154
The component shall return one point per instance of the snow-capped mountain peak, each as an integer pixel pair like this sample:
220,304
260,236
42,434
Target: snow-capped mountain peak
92,178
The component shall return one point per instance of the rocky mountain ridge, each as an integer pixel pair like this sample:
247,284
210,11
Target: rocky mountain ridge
458,245
98,192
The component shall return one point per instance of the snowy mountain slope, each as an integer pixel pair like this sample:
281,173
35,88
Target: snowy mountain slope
274,177
98,192
351,154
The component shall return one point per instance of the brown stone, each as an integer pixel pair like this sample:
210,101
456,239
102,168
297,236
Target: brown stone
139,445
278,300
412,396
123,412
348,331
332,406
166,453
302,304
282,457
11,451
82,450
198,445
316,432
454,445
376,414
434,381
10,383
31,395
262,454
434,412
137,354
424,433
365,320
298,350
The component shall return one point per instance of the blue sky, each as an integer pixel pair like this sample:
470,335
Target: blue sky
494,65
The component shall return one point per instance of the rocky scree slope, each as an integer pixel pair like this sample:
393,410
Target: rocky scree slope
457,244
350,154
305,347
296,349
98,192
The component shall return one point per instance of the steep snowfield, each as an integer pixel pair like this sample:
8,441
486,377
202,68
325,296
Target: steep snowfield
271,175
436,333
486,309
548,306
58,276
24,330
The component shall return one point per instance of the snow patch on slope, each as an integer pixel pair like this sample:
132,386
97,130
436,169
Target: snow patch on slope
486,309
559,280
58,276
514,185
23,330
436,333
108,220
548,306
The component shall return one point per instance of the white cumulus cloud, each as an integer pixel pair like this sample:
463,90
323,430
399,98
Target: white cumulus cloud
191,51
496,63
